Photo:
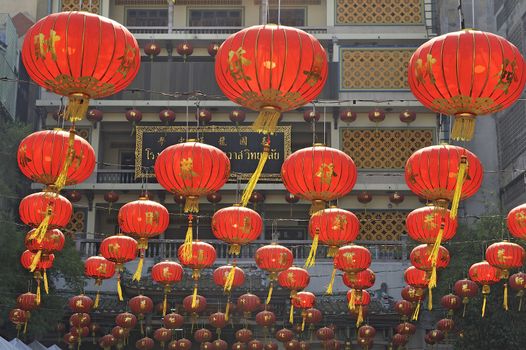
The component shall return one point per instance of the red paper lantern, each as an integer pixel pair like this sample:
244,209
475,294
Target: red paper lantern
255,345
98,268
218,320
79,320
291,199
365,197
466,74
126,320
220,344
152,49
212,49
27,301
517,282
144,219
162,335
145,344
95,116
313,316
366,331
236,226
352,259
237,116
173,320
222,274
294,279
80,303
360,280
52,242
516,221
248,303
348,116
273,258
458,177
451,302
311,116
70,339
396,198
333,227
415,277
404,308
406,328
505,256
484,274
376,115
58,55
167,273
244,335
318,174
465,289
203,116
202,335
34,208
324,333
407,116
445,325
253,69
399,340
421,257
107,341
44,263
192,169
303,300
436,335
140,305
214,197
265,318
284,335
74,196
118,332
424,224
292,344
194,307
81,332
18,317
111,197
119,249
185,49
203,255
167,116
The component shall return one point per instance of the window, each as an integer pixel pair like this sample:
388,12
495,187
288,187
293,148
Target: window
147,17
215,18
293,17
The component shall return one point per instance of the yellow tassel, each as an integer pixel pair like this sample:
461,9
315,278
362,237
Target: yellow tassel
235,249
352,300
311,259
416,312
188,240
458,187
138,273
433,255
291,313
359,320
331,282
316,206
520,303
77,107
463,128
39,296
303,323
505,303
119,289
484,305
433,279
430,298
46,286
25,327
251,184
191,205
230,279
62,178
41,230
465,302
227,310
35,261
97,300
267,121
194,296
269,296
331,252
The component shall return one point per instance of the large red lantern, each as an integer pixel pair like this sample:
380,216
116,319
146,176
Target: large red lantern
228,277
236,226
56,157
350,259
516,222
406,328
220,344
333,227
107,341
484,274
465,289
52,241
58,55
217,320
192,169
141,305
98,268
294,279
313,316
48,206
445,325
360,280
145,344
119,249
325,333
27,301
366,331
459,175
421,258
273,258
284,335
167,273
202,335
318,174
466,74
302,300
253,68
202,255
143,219
427,224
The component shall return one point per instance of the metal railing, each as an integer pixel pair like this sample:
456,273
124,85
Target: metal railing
207,30
116,176
167,249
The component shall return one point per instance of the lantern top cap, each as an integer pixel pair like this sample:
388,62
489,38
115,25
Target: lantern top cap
192,140
318,144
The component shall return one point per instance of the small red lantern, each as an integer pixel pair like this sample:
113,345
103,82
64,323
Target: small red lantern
107,341
126,320
239,346
273,258
451,302
40,270
70,339
196,256
202,335
18,317
119,249
214,197
399,340
152,49
203,116
366,331
396,198
311,116
284,335
404,308
167,116
36,207
167,273
194,307
291,199
228,277
417,279
244,335
192,169
436,335
516,221
313,316
517,282
360,280
81,332
145,344
119,332
406,328
237,116
212,49
95,116
484,274
256,197
350,259
466,74
407,116
318,174
162,335
237,226
52,242
111,197
304,300
445,325
248,303
348,116
265,318
421,258
185,49
98,268
173,320
141,305
217,320
74,196
465,289
365,197
357,300
376,115
255,345
27,301
79,320
80,303
133,115
426,224
220,344
325,333
294,279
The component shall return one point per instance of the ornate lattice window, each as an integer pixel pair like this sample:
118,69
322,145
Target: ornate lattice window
381,225
92,6
178,2
384,148
374,69
77,223
385,12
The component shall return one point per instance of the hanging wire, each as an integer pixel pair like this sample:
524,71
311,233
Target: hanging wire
187,111
324,121
279,12
461,15
473,13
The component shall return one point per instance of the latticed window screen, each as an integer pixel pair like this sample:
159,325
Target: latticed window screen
178,2
386,12
92,6
374,69
381,225
77,223
383,148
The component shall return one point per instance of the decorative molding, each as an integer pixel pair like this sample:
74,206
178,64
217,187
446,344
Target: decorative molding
385,12
92,6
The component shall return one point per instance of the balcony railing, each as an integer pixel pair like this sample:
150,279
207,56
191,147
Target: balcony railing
207,30
114,176
167,249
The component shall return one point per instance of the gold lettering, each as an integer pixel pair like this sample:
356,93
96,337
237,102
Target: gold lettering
222,141
243,141
44,45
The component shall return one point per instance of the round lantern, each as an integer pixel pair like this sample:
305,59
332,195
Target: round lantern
27,301
202,335
284,335
396,198
294,279
517,282
98,268
255,345
427,224
364,197
111,197
53,241
46,206
466,74
406,328
516,221
79,320
214,197
244,335
145,344
228,277
311,116
399,340
220,344
70,339
248,303
126,320
237,116
445,325
167,273
194,307
217,320
291,199
185,49
119,333
134,116
418,280
196,256
74,196
119,249
152,49
256,197
350,259
407,116
252,69
465,289
81,332
80,303
318,174
203,116
184,344
484,274
107,341
302,300
376,115
192,169
162,335
18,317
273,258
357,300
265,318
44,263
458,177
348,116
167,116
333,227
212,49
325,333
451,302
173,320
237,226
95,116
56,56
360,280
404,308
239,346
421,258
436,335
313,316
141,305
366,331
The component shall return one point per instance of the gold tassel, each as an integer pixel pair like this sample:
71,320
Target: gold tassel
291,313
430,298
316,206
485,292
97,300
77,107
227,309
119,289
458,187
165,303
62,178
41,230
191,205
311,259
138,273
359,319
46,286
463,128
39,296
269,296
25,327
267,120
251,184
230,279
520,303
465,302
303,323
352,300
416,312
331,252
35,261
331,282
433,279
234,249
194,296
433,255
188,240
505,303
484,305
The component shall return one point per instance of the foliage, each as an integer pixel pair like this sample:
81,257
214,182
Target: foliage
68,268
499,329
